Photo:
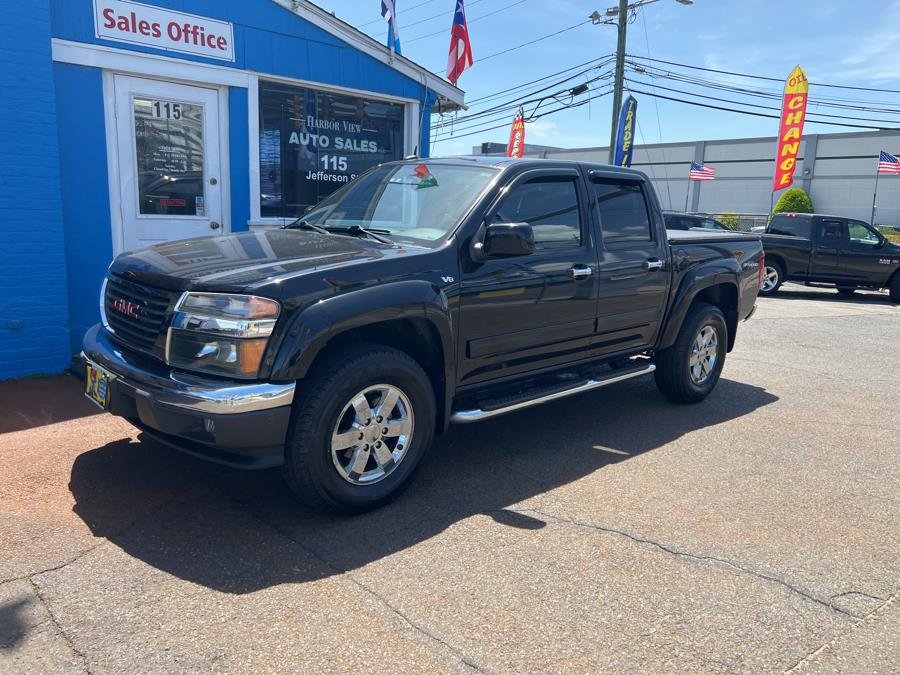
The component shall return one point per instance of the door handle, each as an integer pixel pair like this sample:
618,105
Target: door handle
654,264
214,225
581,272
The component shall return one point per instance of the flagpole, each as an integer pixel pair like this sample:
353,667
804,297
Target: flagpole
875,195
687,193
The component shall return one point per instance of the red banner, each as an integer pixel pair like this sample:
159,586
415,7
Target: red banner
793,114
516,146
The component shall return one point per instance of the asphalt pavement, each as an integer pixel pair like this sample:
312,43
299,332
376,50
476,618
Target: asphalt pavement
758,531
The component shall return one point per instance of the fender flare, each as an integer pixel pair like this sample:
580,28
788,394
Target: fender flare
720,272
311,328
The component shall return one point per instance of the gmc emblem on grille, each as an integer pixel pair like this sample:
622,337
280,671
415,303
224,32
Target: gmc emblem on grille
122,306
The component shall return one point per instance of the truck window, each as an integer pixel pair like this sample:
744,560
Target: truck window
790,226
832,232
550,206
861,234
623,211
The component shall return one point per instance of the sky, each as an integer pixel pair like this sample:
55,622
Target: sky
836,41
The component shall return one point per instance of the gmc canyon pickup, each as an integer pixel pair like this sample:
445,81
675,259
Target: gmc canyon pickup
829,250
422,293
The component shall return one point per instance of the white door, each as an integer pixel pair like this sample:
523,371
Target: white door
170,164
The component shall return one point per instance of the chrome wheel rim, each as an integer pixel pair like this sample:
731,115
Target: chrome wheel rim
704,353
770,279
372,434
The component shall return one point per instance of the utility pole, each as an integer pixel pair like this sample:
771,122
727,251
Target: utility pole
620,78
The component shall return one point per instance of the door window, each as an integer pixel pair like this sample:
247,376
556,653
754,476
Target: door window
168,138
832,232
860,234
790,226
550,206
623,212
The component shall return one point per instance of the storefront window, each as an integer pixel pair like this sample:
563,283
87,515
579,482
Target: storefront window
312,142
169,142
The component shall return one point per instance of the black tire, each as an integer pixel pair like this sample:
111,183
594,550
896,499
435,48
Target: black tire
309,468
846,290
894,289
673,365
773,267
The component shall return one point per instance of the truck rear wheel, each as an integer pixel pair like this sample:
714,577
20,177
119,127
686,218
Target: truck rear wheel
894,288
689,370
773,277
360,429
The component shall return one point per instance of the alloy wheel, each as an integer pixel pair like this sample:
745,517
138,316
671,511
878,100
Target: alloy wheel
704,353
372,434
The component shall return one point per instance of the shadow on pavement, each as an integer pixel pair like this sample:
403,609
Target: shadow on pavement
13,626
798,292
35,401
239,532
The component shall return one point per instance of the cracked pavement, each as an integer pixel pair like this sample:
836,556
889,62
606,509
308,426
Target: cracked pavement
756,532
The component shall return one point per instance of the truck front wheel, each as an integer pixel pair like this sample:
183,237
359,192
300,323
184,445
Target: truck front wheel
359,430
689,370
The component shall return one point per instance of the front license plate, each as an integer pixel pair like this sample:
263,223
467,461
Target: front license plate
97,384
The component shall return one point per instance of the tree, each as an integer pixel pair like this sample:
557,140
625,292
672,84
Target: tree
730,219
794,200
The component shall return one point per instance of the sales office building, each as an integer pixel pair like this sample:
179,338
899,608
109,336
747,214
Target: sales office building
126,124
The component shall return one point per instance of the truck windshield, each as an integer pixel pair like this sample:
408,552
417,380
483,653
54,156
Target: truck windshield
421,201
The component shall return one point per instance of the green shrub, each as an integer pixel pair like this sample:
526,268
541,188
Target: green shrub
730,219
794,200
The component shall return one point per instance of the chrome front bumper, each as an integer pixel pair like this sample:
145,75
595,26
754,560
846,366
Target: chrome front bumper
183,390
243,425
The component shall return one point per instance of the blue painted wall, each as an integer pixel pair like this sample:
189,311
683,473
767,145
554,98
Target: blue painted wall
34,331
85,191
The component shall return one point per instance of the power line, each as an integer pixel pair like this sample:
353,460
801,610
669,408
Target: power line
468,21
537,117
545,77
759,114
525,44
757,105
763,77
405,9
658,117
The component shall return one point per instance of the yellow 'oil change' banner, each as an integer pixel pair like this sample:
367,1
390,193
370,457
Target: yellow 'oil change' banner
793,114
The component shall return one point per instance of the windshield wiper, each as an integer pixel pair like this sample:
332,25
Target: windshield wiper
352,230
301,224
357,230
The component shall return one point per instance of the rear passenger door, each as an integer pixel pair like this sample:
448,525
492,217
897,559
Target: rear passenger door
633,275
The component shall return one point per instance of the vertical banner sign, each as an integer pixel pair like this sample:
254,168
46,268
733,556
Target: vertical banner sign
625,137
516,146
793,114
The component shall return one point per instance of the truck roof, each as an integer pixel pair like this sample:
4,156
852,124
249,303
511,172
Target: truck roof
791,214
536,162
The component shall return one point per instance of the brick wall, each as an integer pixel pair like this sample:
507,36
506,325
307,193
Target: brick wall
34,332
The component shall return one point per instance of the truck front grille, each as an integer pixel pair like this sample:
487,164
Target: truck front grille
138,315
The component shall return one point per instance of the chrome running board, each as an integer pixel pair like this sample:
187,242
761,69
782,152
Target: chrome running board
468,416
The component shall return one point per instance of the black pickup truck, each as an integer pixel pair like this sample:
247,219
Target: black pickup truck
421,293
816,249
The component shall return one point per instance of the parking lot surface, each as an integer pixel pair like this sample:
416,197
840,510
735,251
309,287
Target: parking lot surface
758,531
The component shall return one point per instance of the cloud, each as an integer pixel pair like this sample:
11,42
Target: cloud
540,130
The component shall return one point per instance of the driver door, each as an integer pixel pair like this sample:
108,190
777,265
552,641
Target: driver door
533,311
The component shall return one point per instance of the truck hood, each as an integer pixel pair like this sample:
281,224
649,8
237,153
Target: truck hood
248,259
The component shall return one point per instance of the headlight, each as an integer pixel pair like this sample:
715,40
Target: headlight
221,333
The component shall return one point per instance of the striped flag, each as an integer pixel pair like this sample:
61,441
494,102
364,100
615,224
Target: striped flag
701,172
887,163
389,12
460,56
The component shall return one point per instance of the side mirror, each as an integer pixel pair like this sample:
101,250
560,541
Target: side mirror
506,240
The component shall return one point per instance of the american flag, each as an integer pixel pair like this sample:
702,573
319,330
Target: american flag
389,12
460,56
701,172
887,163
